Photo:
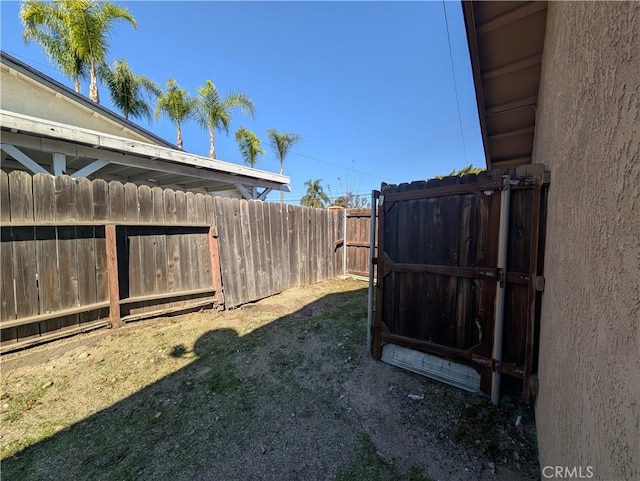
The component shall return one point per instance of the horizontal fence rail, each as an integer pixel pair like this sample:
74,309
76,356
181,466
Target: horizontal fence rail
80,254
56,273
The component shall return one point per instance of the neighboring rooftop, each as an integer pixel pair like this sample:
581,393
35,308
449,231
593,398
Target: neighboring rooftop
49,128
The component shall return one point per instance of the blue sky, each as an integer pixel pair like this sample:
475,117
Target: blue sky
368,85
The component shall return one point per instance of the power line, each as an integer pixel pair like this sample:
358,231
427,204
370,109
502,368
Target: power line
455,85
339,166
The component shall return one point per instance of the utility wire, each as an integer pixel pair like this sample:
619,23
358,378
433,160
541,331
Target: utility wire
339,166
455,85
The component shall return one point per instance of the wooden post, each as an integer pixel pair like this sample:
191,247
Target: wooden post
214,252
112,273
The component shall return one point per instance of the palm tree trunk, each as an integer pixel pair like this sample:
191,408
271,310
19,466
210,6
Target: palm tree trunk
93,87
179,132
76,83
212,149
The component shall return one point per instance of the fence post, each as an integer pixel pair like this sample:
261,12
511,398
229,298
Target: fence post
344,245
112,274
214,251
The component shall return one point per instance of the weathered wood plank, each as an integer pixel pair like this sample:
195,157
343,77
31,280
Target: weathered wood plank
24,252
257,248
21,196
101,207
147,242
85,248
228,261
293,216
116,201
44,191
248,249
270,277
5,208
160,241
181,207
112,274
7,293
67,248
46,251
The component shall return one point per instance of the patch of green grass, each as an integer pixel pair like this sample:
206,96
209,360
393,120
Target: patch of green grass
20,402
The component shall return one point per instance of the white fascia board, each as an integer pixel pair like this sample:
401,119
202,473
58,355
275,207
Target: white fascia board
95,139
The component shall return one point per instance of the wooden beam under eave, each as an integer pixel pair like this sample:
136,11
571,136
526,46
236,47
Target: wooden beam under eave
513,67
511,16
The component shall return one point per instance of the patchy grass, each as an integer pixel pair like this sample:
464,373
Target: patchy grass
279,389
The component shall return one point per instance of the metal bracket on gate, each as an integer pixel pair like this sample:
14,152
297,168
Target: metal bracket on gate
494,364
501,276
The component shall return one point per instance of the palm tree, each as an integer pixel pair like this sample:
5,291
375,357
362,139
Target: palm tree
281,144
127,89
48,29
214,112
315,196
177,105
80,28
249,144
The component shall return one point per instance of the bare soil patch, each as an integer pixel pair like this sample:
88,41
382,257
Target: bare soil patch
282,389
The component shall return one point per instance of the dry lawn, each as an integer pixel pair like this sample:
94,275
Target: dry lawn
282,389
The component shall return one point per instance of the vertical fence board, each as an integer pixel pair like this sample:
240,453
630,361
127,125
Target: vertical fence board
131,211
5,206
67,248
160,241
46,250
85,245
147,242
228,255
116,201
24,252
7,294
293,215
268,246
257,247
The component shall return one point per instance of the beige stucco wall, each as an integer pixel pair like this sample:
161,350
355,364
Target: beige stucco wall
588,134
24,96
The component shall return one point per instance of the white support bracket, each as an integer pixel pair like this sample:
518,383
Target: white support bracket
89,169
24,159
264,194
245,193
59,163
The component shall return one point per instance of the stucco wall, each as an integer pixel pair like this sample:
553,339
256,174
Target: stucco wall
588,134
21,95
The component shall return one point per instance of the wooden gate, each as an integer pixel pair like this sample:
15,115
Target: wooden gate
438,272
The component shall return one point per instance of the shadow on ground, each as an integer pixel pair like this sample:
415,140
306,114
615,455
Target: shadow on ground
298,399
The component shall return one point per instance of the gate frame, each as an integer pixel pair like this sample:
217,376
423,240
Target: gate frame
533,177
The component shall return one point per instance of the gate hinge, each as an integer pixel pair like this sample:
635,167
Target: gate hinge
494,364
501,276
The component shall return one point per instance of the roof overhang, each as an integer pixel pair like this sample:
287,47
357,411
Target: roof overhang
506,40
20,69
39,145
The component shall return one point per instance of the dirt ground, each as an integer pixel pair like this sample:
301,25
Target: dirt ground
282,389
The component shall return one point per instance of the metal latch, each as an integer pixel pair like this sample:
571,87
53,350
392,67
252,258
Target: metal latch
501,276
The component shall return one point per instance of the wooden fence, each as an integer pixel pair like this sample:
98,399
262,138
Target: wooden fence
358,242
77,254
266,248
